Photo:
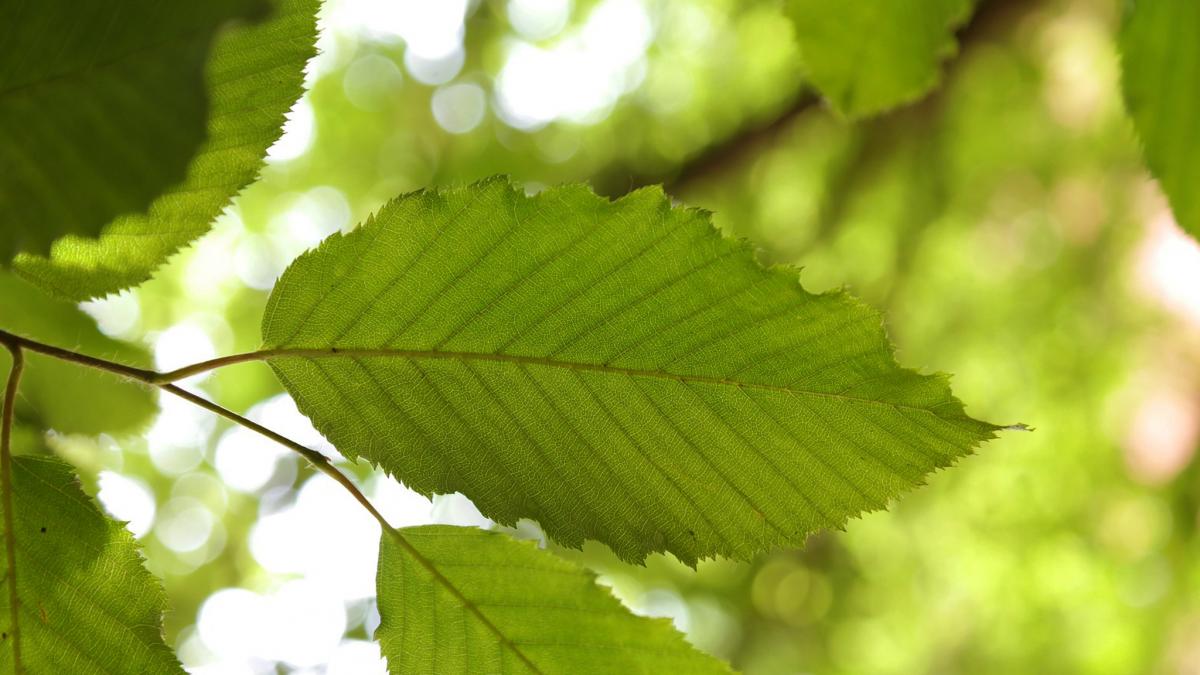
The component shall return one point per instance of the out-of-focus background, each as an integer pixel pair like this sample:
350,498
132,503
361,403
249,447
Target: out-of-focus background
1003,224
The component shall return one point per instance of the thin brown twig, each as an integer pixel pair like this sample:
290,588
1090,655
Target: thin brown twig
10,544
164,381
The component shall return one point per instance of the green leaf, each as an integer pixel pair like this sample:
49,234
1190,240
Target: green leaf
64,396
866,56
462,600
254,76
614,370
102,106
85,603
1160,57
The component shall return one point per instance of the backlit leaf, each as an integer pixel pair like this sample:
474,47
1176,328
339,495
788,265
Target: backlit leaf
462,600
614,370
254,76
85,603
102,106
1160,58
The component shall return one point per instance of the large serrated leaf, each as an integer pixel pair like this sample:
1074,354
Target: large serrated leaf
102,106
614,370
254,75
85,603
1160,78
866,56
462,600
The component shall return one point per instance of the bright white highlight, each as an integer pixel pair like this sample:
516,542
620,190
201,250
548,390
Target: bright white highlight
357,657
299,624
538,19
179,435
400,506
326,536
181,345
225,620
456,509
431,29
246,460
1170,267
459,108
127,499
304,623
116,315
298,133
312,217
184,525
581,76
437,70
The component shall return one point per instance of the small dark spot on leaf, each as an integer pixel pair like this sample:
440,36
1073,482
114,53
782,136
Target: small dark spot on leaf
43,529
3,636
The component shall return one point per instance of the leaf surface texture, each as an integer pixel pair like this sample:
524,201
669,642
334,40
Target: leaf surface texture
85,602
254,75
497,605
616,371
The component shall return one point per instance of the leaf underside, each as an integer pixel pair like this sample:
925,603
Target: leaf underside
86,603
868,56
254,75
615,371
102,98
513,609
1160,79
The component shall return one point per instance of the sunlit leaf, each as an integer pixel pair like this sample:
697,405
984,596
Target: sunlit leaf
462,600
85,603
614,370
254,76
1160,57
866,56
101,100
64,396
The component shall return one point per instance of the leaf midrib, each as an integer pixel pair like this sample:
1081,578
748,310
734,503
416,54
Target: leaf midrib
352,352
471,606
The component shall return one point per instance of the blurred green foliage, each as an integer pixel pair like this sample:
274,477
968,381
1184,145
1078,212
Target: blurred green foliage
1004,224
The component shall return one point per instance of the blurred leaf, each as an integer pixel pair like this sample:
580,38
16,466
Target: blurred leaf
254,76
463,600
61,395
614,370
85,602
100,100
1160,56
866,56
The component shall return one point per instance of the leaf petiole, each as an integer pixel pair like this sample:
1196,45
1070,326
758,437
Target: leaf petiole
16,344
10,551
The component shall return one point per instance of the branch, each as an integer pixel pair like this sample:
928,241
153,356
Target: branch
16,344
10,544
713,160
319,461
990,18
